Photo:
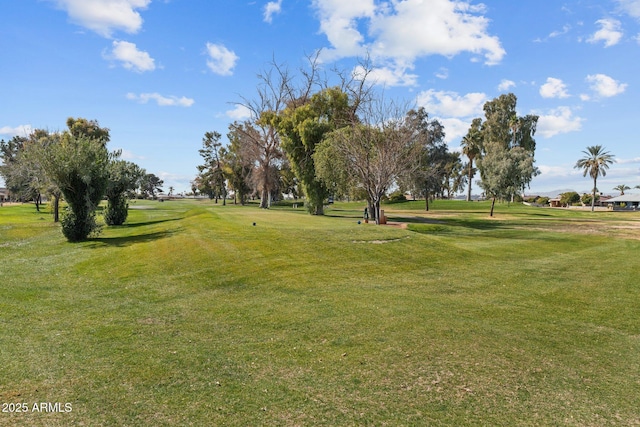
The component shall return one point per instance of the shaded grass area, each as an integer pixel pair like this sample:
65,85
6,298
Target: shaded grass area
190,315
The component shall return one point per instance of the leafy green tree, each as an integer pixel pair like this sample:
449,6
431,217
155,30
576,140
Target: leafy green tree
508,147
374,153
238,166
303,126
212,175
10,152
472,148
149,185
194,186
124,178
595,163
79,127
586,199
31,159
426,175
335,173
78,165
622,188
260,144
569,198
21,169
454,178
289,183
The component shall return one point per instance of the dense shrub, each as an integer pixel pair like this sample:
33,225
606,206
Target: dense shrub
117,210
569,198
76,229
396,197
586,199
542,200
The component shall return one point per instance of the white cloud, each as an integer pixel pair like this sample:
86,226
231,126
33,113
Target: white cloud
162,101
385,76
131,57
450,104
130,155
505,85
442,73
105,16
605,86
554,88
455,112
339,22
441,27
22,130
556,171
609,32
270,9
455,129
631,7
239,113
558,121
401,31
628,161
565,30
221,60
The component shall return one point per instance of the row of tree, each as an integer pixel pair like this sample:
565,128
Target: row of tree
76,166
305,136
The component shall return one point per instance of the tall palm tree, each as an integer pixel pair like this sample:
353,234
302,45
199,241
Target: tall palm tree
595,163
471,147
621,188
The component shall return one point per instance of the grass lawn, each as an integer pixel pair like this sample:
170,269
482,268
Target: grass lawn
191,315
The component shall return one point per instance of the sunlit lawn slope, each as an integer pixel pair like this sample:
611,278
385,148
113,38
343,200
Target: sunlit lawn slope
191,315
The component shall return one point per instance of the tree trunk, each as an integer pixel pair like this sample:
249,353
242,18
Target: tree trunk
56,208
426,201
470,178
372,210
593,198
376,208
493,203
264,199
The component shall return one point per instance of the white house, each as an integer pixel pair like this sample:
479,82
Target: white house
630,201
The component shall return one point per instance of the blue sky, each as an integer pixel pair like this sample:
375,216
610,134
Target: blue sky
161,73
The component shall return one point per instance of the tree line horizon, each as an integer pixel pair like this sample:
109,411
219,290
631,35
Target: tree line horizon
304,137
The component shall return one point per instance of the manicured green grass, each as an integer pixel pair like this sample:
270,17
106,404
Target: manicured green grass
190,315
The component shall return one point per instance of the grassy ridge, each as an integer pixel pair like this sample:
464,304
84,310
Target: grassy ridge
191,315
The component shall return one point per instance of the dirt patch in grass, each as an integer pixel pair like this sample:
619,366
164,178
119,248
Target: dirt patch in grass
625,229
619,226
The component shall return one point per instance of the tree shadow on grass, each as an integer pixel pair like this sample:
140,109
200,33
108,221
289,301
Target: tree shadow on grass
450,225
141,224
124,241
343,213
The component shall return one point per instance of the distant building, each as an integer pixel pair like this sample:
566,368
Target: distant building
555,202
4,194
627,201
